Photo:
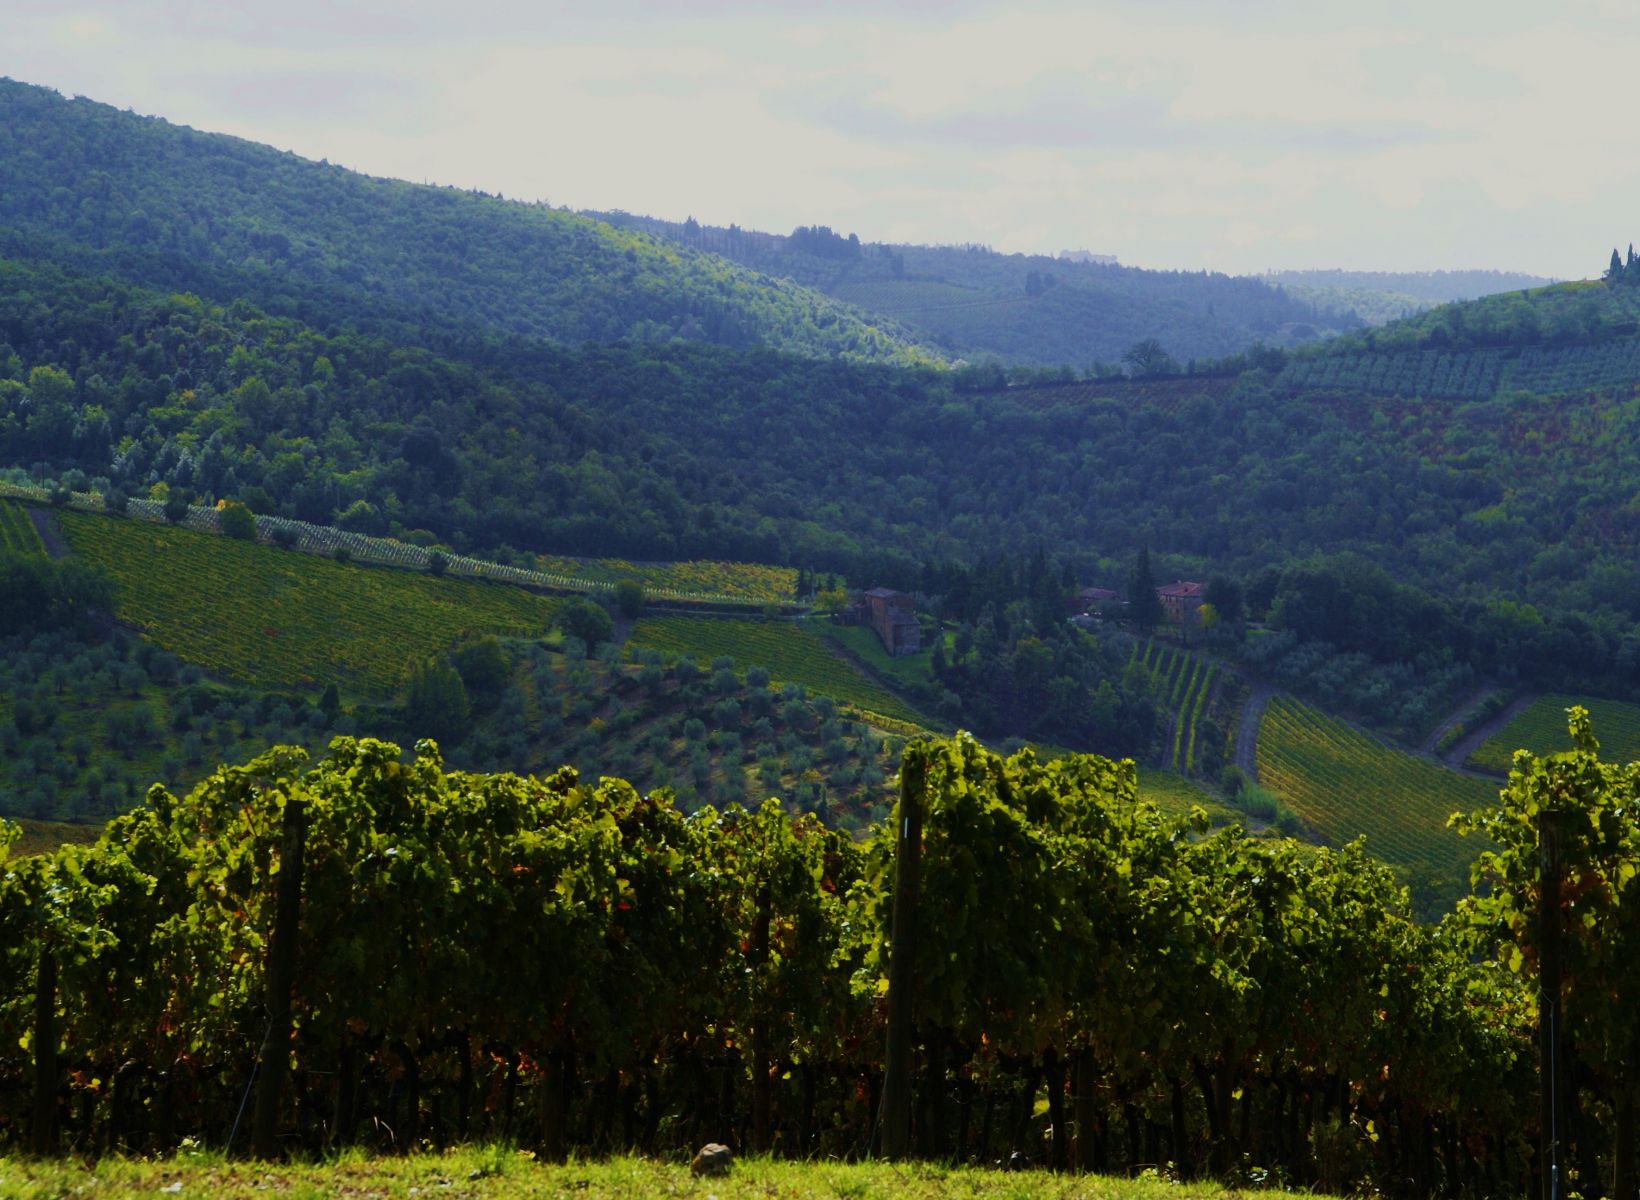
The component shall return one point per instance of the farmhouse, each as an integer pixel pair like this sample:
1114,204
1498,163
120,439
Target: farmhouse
1182,601
894,616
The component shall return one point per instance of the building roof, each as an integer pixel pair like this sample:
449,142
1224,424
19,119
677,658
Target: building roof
1097,593
1184,589
884,593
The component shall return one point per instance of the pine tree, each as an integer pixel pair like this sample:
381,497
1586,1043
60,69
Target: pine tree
1144,606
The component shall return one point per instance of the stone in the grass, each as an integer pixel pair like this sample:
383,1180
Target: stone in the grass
714,1159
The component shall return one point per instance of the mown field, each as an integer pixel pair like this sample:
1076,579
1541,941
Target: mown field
481,1174
17,532
1345,784
791,652
1541,728
277,619
40,837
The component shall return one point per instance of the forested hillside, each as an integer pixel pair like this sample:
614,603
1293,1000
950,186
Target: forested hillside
167,206
1488,500
1017,309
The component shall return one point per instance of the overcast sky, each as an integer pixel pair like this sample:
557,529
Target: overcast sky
1172,133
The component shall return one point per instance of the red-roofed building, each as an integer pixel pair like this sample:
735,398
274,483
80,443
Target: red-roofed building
1182,601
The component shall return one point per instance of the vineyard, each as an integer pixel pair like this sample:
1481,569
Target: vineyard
17,532
749,582
1344,784
1471,375
738,583
1547,370
1184,683
280,620
376,952
792,653
1176,795
1542,730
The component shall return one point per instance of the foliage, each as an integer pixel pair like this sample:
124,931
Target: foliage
570,952
585,620
39,593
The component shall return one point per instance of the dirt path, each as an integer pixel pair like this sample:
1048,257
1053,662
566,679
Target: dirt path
47,529
1459,716
1247,731
1471,741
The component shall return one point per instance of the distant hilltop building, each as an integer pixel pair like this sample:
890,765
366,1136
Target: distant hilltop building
893,615
1088,256
1182,601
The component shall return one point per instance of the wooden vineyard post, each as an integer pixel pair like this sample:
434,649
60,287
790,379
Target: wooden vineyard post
762,1085
273,1063
45,1056
896,1104
1549,970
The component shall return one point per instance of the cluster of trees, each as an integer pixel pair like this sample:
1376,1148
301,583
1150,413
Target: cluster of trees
601,971
1014,667
40,594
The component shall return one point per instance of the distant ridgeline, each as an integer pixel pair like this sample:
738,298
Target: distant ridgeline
1379,296
1018,309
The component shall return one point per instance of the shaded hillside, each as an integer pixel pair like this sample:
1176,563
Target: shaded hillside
1019,309
177,209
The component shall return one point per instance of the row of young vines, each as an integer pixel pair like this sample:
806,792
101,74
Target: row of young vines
384,952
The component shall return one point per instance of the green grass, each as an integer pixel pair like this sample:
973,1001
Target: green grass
486,1173
908,670
792,652
1344,784
1541,728
17,532
277,619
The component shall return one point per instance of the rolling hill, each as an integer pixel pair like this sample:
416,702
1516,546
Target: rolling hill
1017,309
182,210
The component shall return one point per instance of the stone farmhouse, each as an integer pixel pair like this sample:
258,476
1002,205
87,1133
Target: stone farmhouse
893,615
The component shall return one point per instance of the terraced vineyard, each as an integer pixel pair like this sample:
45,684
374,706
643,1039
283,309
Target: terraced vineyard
792,653
1542,728
17,532
1344,784
276,619
1183,681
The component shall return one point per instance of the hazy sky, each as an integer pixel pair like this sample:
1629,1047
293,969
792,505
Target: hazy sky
1173,133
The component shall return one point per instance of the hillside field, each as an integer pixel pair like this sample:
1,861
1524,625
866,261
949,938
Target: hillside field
1542,729
277,619
793,654
1344,784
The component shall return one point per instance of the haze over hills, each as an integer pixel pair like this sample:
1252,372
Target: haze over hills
1038,310
1380,296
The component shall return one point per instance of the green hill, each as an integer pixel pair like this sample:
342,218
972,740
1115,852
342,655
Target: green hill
980,305
175,208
